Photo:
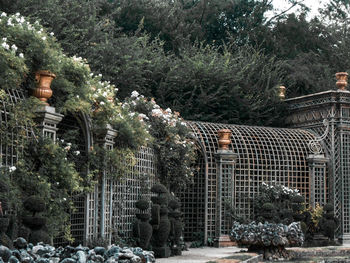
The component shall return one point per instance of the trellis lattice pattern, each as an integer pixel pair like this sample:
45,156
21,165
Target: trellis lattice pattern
270,155
11,137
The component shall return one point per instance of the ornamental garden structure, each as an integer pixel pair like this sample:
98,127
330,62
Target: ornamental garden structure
311,155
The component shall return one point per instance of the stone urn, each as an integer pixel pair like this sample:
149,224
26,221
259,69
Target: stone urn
224,138
342,80
43,79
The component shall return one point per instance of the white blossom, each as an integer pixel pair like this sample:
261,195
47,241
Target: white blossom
5,45
14,47
76,152
12,169
21,55
134,94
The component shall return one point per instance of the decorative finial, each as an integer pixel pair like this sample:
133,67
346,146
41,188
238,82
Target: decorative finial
224,139
282,94
342,80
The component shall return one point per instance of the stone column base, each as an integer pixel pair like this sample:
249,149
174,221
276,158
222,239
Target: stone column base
224,241
345,238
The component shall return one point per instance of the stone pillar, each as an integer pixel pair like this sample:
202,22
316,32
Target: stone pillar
318,179
308,112
46,115
107,140
225,164
47,119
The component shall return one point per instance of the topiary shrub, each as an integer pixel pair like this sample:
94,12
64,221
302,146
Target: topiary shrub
36,224
142,229
286,216
34,204
159,189
160,221
328,223
269,239
268,212
176,226
142,204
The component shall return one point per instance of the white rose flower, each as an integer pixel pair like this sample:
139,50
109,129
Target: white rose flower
134,94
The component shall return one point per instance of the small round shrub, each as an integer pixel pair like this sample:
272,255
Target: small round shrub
268,207
163,211
34,222
328,208
35,204
174,204
160,200
39,236
298,199
143,217
142,204
159,189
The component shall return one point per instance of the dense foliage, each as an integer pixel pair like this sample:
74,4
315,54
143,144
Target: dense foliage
47,169
269,239
230,55
276,203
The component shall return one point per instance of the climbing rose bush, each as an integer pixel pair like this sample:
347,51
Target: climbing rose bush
172,142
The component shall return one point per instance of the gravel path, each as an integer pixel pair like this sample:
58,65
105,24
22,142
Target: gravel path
200,255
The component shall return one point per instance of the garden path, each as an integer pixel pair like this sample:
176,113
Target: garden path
200,255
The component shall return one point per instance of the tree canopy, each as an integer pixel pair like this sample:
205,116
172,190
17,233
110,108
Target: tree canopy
212,60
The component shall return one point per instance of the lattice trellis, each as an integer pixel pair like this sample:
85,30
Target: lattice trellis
308,112
11,138
271,155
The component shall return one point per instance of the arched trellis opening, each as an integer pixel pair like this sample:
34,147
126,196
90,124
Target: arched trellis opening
74,129
270,155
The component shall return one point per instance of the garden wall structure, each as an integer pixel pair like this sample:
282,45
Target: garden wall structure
313,155
107,212
255,155
309,112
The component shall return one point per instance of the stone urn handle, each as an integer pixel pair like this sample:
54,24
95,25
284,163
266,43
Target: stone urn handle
43,79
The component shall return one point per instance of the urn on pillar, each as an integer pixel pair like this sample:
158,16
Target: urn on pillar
342,80
224,139
43,79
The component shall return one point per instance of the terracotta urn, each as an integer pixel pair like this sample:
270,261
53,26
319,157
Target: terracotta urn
43,79
342,80
282,92
224,139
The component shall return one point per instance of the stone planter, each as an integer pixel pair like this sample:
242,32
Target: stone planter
342,80
224,139
43,90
